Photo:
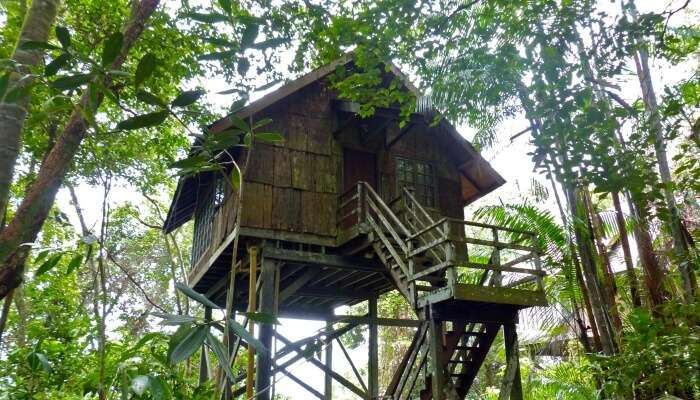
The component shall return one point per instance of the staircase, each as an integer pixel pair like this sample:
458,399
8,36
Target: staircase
463,278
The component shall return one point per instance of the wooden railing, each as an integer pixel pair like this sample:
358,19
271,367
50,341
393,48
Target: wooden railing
453,246
463,241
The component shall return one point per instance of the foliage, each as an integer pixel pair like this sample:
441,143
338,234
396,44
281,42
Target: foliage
659,355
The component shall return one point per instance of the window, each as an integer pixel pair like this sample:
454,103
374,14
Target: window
419,176
219,191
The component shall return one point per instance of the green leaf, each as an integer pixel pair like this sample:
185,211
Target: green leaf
249,35
220,42
186,341
262,122
186,98
268,85
58,62
210,18
143,121
240,331
268,43
93,91
139,384
159,389
149,98
38,360
236,176
237,122
146,67
243,65
63,36
225,5
42,254
174,319
238,104
74,263
37,45
190,162
269,137
112,47
196,296
48,264
221,355
264,318
70,81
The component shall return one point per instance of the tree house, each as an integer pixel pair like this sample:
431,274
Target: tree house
346,209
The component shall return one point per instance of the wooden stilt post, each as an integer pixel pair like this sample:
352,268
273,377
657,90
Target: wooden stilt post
373,360
204,360
511,387
436,356
263,368
252,299
328,388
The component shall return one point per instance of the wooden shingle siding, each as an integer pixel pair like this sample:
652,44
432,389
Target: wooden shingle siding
261,167
282,168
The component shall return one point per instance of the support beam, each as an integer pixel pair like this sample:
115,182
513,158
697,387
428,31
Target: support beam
351,263
252,298
341,379
328,387
297,284
373,360
436,357
400,135
511,388
352,364
268,296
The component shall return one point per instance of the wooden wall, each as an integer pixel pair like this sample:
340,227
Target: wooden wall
419,143
293,186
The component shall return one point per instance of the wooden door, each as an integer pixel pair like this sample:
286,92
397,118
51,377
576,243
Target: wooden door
359,166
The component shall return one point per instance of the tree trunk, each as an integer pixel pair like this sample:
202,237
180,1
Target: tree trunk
598,302
5,314
681,247
624,241
579,278
32,212
653,273
609,287
36,27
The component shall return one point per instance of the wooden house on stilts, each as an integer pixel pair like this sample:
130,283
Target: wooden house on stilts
346,209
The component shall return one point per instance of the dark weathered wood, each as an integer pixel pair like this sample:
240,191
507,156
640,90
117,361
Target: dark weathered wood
352,365
327,260
373,358
321,366
485,294
511,388
437,371
328,381
268,298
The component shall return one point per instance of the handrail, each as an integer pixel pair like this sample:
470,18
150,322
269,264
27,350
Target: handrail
489,226
417,204
385,208
428,228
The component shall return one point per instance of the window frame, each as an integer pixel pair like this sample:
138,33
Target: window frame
429,179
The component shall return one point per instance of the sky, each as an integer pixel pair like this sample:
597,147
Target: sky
510,159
